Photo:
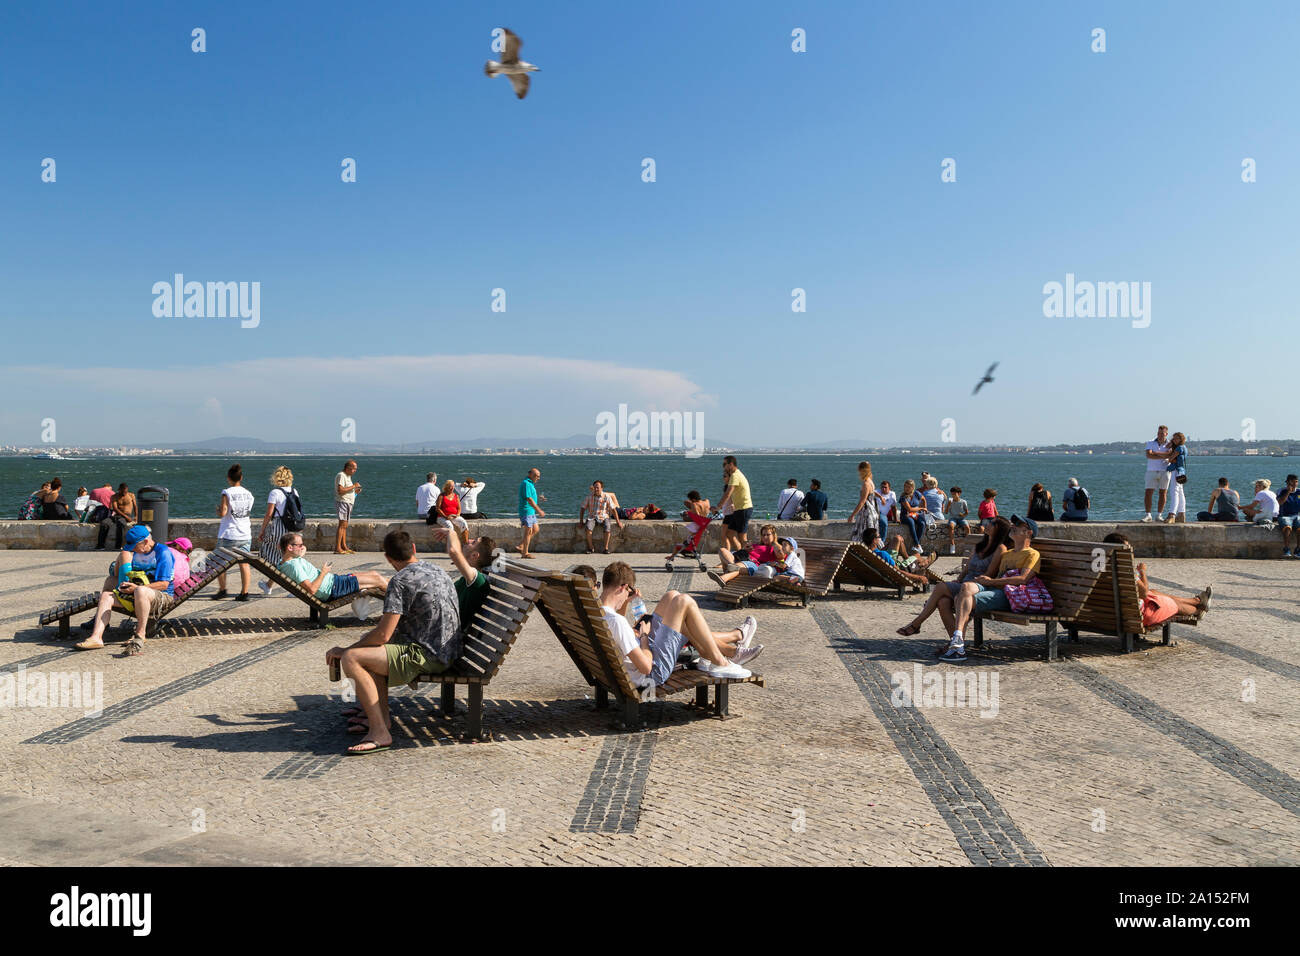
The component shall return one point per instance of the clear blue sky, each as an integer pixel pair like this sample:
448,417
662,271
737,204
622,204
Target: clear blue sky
775,170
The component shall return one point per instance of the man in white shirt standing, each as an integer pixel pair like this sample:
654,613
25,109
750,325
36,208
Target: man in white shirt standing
345,496
1157,476
791,500
426,494
468,491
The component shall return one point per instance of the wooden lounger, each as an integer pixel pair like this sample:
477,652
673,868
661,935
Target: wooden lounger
318,610
487,639
218,561
864,567
821,562
571,607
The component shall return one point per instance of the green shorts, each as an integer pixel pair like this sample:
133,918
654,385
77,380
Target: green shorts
406,662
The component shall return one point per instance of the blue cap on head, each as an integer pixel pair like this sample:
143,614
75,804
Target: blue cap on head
135,534
1029,523
793,543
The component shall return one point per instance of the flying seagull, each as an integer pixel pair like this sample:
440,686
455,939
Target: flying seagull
511,65
988,377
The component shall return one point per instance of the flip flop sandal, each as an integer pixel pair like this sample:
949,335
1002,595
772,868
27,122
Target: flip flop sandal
907,630
369,750
134,647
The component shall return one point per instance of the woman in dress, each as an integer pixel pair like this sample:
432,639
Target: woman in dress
941,598
865,518
272,524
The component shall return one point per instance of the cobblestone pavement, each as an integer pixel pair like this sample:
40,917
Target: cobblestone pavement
223,743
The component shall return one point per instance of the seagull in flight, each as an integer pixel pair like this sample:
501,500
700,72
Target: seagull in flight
988,378
511,65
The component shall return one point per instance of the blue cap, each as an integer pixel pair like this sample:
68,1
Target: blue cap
793,543
1029,523
135,534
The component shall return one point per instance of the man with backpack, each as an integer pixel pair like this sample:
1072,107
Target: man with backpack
1076,501
139,581
283,513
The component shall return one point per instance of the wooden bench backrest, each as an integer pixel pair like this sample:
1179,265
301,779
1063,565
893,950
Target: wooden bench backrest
1069,569
571,607
1129,604
488,637
822,561
864,565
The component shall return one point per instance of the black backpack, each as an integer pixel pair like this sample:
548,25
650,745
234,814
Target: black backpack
291,517
1080,499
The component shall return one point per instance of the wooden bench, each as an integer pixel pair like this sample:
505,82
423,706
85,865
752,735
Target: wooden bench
1072,571
218,561
863,567
1121,577
571,607
486,640
318,611
821,562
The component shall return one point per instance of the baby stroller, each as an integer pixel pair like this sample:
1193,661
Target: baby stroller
689,548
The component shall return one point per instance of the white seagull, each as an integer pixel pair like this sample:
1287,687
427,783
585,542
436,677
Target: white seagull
511,65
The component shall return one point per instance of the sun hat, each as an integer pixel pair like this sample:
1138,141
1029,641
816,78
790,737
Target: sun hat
135,534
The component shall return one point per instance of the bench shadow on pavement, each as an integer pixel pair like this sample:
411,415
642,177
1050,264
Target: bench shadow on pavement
318,727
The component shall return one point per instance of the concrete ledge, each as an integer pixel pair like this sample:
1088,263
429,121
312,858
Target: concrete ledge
561,535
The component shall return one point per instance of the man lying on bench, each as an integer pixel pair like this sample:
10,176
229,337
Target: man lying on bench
322,583
650,651
143,557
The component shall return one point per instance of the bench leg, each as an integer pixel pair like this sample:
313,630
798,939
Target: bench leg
312,615
743,602
900,592
1127,643
721,695
1164,635
63,629
631,714
837,587
324,618
448,699
702,696
1073,633
979,632
803,600
475,728
602,697
1051,640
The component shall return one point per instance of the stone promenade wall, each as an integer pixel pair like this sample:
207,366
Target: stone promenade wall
1193,540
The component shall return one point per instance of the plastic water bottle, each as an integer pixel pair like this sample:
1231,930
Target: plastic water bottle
637,608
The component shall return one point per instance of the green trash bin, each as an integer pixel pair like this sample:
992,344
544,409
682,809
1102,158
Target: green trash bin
152,503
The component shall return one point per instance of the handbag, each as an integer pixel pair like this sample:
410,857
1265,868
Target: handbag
1032,596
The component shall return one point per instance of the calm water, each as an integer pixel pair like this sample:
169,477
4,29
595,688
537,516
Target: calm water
1114,482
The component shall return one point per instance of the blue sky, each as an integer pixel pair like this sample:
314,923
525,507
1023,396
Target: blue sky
775,170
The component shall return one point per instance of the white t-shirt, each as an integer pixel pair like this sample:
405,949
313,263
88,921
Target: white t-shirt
1267,502
82,503
276,497
425,496
1157,464
469,496
239,505
886,503
627,641
793,565
342,478
785,508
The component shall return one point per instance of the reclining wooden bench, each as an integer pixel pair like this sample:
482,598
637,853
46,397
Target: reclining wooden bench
1070,571
318,611
1126,621
571,607
217,562
864,567
821,562
486,640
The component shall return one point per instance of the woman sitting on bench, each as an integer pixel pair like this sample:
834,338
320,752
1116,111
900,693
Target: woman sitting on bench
942,596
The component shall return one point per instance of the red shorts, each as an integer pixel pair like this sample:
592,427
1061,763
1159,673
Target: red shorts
1157,608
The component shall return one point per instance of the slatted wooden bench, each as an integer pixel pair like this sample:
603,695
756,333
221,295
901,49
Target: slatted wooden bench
821,561
486,640
1121,578
217,562
1072,571
863,567
318,611
571,608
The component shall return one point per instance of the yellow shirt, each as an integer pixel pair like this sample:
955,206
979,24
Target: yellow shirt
1026,560
739,485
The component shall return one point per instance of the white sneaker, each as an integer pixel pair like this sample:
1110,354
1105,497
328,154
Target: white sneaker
264,587
952,549
747,629
745,655
1148,517
730,671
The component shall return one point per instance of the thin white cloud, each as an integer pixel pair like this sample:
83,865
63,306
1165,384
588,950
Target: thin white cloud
392,398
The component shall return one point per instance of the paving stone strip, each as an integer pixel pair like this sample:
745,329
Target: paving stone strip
84,726
37,660
612,801
1261,776
304,767
37,568
984,831
1262,661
